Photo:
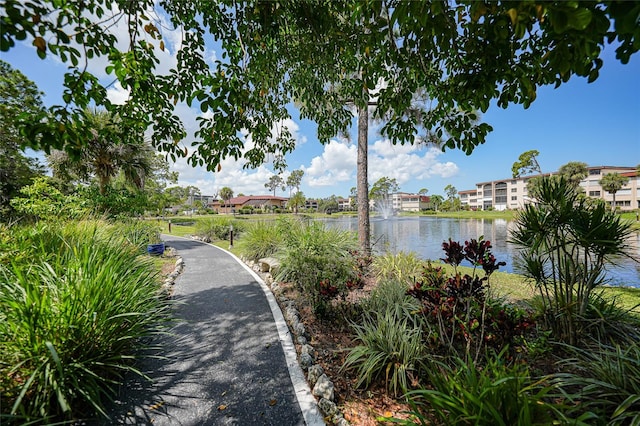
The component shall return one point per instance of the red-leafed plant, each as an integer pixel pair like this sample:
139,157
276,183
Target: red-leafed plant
464,318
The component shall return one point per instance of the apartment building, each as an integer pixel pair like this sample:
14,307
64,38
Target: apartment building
512,193
406,202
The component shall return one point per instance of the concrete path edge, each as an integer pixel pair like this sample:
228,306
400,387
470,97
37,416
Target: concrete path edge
306,400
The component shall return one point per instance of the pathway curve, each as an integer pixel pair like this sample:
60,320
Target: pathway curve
229,359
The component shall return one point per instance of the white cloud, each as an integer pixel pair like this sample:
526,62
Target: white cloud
117,94
405,163
337,164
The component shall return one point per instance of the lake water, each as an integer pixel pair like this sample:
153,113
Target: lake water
425,235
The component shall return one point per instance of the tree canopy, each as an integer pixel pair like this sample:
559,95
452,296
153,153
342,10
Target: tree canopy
527,163
17,94
457,57
383,187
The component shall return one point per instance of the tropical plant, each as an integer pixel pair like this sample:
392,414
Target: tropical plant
565,245
574,172
73,323
296,201
497,394
218,228
464,318
604,380
109,151
436,200
226,194
612,183
261,239
388,294
402,266
389,347
313,253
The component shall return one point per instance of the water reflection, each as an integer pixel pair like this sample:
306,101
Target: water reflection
424,235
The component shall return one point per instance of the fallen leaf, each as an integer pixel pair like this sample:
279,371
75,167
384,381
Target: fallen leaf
222,407
273,402
156,406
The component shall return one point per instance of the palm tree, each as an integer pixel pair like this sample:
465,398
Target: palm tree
437,200
297,201
574,172
226,194
612,182
108,152
565,245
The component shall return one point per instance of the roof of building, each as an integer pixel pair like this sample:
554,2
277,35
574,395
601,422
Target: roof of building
244,199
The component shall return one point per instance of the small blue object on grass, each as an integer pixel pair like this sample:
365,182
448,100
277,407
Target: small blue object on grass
155,249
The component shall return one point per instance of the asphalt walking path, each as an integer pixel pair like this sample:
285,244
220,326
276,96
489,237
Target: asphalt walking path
229,359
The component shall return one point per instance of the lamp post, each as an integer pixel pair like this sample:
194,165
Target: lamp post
231,236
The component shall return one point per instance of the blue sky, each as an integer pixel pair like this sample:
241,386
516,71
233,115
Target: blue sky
597,123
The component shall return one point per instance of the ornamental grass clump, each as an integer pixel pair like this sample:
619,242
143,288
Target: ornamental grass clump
312,254
390,347
605,381
499,394
73,322
262,239
218,228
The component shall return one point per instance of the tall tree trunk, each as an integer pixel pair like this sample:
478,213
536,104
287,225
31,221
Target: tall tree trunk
363,184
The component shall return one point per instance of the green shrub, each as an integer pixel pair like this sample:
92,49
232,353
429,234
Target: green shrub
401,266
390,348
312,254
496,395
261,239
390,293
218,228
139,233
604,380
72,323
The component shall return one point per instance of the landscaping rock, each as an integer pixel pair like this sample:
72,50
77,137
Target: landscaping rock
307,349
314,373
306,361
338,420
324,388
302,340
327,407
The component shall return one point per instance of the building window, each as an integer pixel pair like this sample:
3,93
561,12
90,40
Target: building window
594,171
514,189
594,193
513,182
514,198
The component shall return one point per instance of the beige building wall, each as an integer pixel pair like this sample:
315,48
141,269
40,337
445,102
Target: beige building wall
512,193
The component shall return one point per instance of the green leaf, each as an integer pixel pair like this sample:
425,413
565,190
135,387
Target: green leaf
580,19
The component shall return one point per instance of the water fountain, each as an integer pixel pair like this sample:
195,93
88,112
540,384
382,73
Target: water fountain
384,207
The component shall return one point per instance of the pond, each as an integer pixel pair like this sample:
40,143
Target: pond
424,235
